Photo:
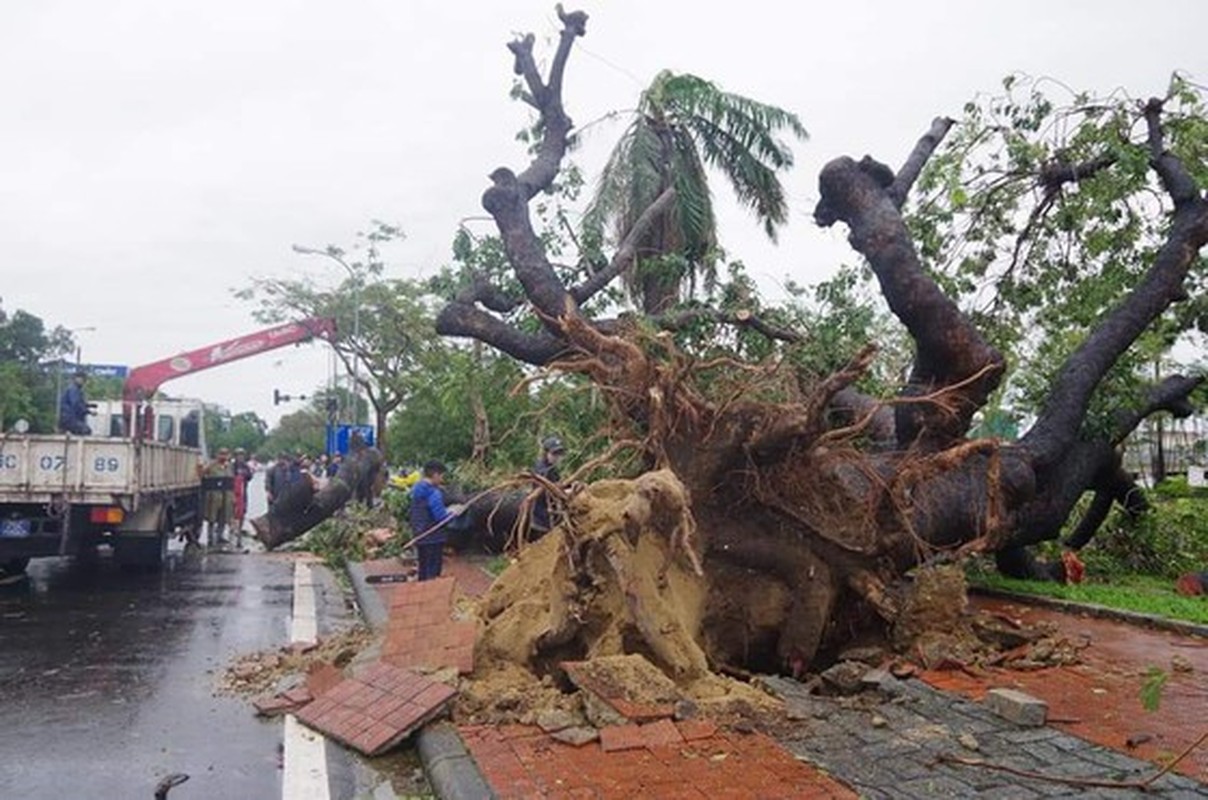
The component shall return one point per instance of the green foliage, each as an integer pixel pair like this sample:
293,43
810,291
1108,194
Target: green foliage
28,383
341,538
1167,541
397,503
303,431
841,316
682,126
385,326
1151,689
245,430
1036,263
438,420
1139,593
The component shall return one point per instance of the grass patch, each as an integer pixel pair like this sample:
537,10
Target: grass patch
498,564
1140,593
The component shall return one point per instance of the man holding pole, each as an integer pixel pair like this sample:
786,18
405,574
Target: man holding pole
429,519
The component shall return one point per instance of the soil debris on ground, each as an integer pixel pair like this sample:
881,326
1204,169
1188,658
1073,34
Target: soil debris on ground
939,631
263,672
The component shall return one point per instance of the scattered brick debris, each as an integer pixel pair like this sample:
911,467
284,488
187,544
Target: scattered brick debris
422,633
377,709
629,685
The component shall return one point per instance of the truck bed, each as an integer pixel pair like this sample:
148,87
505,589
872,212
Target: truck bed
91,469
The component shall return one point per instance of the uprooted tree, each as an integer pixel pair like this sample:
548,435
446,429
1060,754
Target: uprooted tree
811,489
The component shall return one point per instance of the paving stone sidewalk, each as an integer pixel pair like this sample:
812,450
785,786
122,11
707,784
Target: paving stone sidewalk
894,755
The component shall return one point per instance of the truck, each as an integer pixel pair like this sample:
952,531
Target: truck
134,481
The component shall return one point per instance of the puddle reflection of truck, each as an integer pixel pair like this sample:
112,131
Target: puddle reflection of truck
134,482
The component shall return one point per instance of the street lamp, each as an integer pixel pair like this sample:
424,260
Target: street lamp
356,318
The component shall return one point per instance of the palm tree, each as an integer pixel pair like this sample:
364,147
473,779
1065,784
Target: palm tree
682,125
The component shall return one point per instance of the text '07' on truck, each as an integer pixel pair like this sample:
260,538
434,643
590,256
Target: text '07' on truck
62,494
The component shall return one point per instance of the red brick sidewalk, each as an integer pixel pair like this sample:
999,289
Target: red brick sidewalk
522,762
1099,700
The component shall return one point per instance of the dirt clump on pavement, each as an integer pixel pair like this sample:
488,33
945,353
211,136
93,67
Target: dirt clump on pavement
937,629
619,577
259,673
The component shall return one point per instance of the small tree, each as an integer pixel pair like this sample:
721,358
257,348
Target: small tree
384,324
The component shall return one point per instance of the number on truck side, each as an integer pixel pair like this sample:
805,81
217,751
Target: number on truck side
50,463
8,461
110,464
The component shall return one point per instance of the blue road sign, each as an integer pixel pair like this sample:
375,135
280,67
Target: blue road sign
106,370
338,436
95,370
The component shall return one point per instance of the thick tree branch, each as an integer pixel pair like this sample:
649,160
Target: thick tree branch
1175,178
1056,174
949,348
626,253
918,158
546,97
481,290
1088,526
1061,417
850,406
1171,395
463,319
508,197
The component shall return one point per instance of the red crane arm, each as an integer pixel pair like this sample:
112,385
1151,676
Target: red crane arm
143,381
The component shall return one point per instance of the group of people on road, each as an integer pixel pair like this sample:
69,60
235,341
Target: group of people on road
224,484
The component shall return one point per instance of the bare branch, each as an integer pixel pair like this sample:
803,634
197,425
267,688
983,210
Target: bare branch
491,296
949,347
743,318
627,252
1056,174
463,319
547,99
1175,177
917,159
1171,395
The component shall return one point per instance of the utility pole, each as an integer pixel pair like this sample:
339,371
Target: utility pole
356,318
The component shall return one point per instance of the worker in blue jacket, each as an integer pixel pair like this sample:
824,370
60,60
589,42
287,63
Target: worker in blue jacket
74,407
427,512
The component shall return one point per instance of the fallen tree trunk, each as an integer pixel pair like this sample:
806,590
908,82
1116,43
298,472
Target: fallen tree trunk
300,508
811,504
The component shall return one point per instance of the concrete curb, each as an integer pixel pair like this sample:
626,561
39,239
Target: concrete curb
449,767
1093,610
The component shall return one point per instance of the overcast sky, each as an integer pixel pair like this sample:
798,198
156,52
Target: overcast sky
158,154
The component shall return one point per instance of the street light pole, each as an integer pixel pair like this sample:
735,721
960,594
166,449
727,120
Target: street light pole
356,318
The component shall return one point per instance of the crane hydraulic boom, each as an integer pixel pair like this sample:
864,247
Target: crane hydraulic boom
144,380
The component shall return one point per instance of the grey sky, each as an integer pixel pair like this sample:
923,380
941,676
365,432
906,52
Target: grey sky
159,153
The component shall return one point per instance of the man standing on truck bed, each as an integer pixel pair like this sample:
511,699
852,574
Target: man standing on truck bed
73,407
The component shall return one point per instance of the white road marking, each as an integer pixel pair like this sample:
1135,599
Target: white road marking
305,759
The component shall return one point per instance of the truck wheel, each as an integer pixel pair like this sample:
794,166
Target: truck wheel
14,566
141,551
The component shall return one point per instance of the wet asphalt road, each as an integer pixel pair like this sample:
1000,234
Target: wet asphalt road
107,678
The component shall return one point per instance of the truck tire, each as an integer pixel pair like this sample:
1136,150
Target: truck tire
141,551
14,566
144,550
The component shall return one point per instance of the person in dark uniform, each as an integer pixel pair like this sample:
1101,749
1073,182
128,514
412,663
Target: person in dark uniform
427,511
73,407
552,451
